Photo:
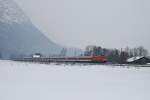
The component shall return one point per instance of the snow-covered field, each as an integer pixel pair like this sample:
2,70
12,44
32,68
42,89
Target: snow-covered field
26,81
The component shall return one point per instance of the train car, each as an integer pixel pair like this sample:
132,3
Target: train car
83,59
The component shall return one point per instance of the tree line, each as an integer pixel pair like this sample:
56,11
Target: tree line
116,55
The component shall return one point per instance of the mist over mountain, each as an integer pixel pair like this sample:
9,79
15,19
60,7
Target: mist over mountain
18,36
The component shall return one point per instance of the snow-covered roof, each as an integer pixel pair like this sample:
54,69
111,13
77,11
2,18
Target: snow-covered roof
134,58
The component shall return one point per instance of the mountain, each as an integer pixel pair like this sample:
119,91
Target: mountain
18,36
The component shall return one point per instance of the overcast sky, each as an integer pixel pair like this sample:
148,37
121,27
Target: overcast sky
77,23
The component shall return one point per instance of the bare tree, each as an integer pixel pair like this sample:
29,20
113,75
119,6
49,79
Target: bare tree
63,52
142,51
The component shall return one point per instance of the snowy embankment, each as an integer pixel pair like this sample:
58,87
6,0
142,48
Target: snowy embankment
26,81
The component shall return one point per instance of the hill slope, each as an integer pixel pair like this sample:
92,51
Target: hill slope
18,36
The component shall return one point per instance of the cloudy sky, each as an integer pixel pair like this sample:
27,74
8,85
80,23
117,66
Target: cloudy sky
77,23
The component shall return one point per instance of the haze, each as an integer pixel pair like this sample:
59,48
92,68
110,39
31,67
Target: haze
77,23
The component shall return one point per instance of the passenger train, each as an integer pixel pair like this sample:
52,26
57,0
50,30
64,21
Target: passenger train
79,59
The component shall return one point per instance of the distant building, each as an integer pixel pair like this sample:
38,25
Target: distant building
138,60
36,55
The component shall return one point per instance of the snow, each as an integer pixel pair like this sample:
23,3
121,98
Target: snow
36,56
28,81
134,58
